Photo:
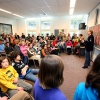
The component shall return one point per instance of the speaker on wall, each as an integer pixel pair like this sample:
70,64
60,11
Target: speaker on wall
82,26
97,15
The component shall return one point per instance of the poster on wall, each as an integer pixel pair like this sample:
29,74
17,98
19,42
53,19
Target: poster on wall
5,28
96,33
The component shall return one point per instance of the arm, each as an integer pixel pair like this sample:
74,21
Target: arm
6,83
24,70
43,53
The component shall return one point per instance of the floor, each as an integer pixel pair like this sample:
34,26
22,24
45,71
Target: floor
73,74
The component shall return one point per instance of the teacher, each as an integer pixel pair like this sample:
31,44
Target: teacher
89,43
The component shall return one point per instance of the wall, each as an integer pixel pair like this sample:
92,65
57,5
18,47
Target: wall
91,22
10,21
21,26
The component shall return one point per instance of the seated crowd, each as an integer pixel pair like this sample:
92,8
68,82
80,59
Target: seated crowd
15,53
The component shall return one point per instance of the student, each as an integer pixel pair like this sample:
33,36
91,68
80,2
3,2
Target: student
23,70
44,51
50,78
9,80
21,95
90,90
31,53
8,48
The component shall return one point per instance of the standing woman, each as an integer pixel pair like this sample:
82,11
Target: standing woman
89,43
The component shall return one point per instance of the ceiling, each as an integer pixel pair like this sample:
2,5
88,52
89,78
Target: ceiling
36,8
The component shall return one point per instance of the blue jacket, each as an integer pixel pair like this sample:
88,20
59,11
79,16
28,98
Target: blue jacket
83,93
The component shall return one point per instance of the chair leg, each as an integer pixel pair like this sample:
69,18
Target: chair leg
34,63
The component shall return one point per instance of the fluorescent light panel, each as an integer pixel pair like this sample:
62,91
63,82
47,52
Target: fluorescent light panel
18,15
10,13
72,3
71,11
5,11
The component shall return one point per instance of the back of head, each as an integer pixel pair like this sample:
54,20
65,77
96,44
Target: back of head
51,71
93,77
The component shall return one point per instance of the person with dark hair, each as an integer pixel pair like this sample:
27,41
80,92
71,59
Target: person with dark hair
90,90
9,79
50,78
89,43
44,51
16,36
23,70
52,37
23,36
8,48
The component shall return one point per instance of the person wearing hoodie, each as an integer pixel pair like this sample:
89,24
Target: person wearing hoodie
90,90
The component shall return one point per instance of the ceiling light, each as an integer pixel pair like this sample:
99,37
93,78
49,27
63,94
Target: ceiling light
71,11
5,11
18,15
72,3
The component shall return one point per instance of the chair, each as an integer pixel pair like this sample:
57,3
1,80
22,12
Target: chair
82,51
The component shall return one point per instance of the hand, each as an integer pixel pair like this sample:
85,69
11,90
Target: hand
4,98
23,73
20,88
15,80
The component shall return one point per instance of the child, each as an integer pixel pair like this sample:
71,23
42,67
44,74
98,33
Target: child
23,70
44,51
32,55
90,90
9,80
50,78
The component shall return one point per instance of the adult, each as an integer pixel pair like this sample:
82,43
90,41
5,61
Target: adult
89,43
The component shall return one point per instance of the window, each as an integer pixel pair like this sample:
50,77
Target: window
45,25
31,25
74,24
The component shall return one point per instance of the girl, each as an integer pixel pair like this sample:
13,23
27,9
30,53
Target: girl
50,78
90,90
9,80
44,51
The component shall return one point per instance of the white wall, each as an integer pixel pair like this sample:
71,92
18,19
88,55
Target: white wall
10,21
91,22
60,23
21,24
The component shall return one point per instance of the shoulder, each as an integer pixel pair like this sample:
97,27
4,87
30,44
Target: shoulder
81,85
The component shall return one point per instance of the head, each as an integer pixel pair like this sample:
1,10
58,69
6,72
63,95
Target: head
7,44
22,42
14,56
51,71
44,46
90,32
4,62
30,45
93,76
